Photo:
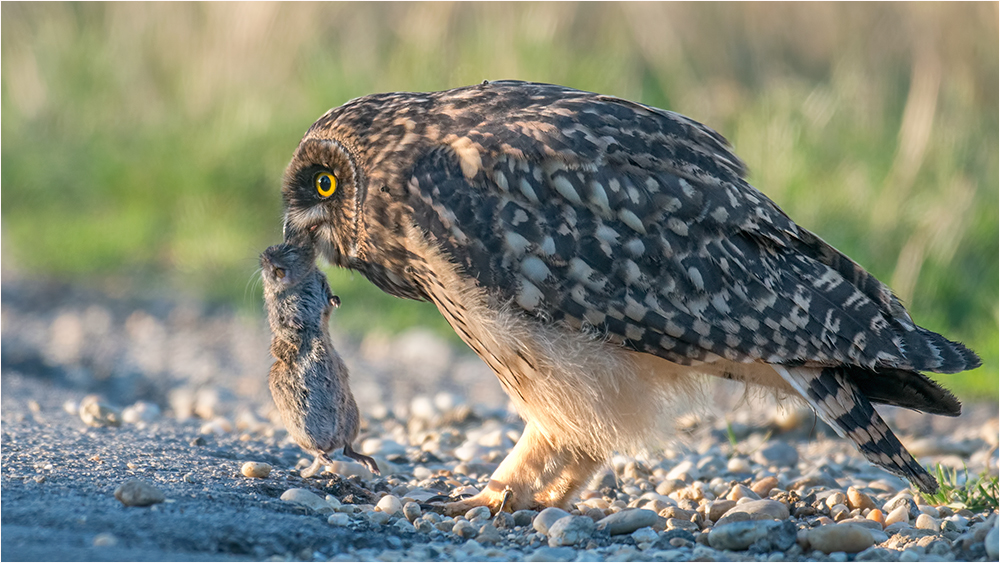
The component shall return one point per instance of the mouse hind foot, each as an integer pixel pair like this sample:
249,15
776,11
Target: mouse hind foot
363,459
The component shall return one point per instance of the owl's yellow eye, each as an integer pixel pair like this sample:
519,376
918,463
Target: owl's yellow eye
279,273
326,184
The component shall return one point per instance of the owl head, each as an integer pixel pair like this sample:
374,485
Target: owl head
323,190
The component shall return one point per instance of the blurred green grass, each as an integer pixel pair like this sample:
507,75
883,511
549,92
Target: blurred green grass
143,144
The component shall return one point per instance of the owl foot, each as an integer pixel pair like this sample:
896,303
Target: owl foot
496,501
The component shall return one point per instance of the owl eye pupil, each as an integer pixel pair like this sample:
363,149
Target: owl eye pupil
326,184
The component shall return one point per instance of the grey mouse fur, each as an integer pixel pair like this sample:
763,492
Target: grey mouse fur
308,380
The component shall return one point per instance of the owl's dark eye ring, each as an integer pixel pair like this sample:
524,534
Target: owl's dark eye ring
326,184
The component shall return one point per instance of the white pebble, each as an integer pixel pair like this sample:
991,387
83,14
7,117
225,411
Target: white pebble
390,504
898,514
377,518
738,465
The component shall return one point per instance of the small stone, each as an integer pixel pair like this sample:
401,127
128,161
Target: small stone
738,465
377,518
927,522
835,498
307,499
902,501
992,544
899,514
478,513
525,517
546,519
411,511
218,426
849,538
644,535
839,512
858,500
464,529
742,491
778,454
424,526
627,521
878,536
677,512
717,508
489,534
570,530
684,471
141,411
762,487
138,493
338,519
390,504
756,510
929,510
870,524
403,525
105,540
256,469
678,524
94,412
765,535
877,516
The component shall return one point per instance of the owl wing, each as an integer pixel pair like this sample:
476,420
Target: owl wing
637,223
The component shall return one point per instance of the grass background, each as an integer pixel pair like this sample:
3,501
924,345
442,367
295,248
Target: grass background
143,144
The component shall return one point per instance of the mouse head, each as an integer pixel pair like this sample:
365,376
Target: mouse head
284,265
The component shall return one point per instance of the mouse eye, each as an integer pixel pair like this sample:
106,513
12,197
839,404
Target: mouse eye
279,273
326,184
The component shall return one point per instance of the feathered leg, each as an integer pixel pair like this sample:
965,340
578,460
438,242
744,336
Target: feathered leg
534,475
839,402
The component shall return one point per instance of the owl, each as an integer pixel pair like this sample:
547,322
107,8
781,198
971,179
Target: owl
603,257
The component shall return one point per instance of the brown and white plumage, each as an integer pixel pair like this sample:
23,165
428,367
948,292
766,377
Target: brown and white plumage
597,254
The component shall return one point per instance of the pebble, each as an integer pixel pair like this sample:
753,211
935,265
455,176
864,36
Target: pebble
742,491
141,411
570,530
105,539
256,469
898,514
777,453
95,412
307,499
546,519
338,519
755,510
645,535
411,511
766,535
848,538
489,534
992,543
478,513
391,505
138,493
738,465
877,516
717,508
927,522
762,487
627,521
377,518
464,529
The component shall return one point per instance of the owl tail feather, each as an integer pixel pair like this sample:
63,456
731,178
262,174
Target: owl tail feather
840,403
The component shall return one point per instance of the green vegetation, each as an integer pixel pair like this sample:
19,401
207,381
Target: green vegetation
979,493
143,144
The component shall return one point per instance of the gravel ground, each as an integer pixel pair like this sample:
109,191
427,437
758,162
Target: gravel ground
111,403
